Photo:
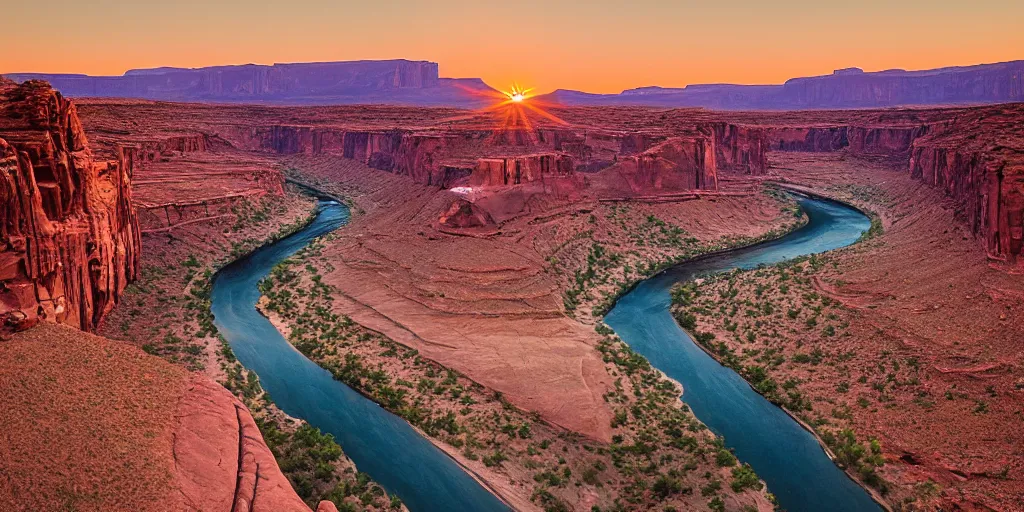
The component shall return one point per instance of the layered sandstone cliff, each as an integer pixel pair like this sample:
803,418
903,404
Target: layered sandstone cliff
740,148
975,157
69,238
678,164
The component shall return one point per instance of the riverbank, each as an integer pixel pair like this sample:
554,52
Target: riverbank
518,449
930,355
723,400
771,236
170,308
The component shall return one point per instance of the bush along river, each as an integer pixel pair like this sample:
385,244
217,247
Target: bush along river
381,444
784,454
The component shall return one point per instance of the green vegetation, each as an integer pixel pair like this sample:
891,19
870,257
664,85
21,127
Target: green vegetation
597,274
774,328
657,448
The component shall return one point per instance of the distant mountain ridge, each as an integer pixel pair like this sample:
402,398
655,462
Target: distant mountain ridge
844,88
405,82
367,81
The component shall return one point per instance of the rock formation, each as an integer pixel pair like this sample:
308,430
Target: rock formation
974,157
845,88
382,81
678,164
136,431
520,169
69,238
464,214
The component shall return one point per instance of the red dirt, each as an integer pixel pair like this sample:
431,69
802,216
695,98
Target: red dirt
94,424
926,291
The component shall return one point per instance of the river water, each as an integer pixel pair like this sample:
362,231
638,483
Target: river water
786,456
380,443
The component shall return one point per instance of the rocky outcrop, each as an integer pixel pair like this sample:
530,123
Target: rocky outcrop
464,214
221,459
678,164
520,169
740,148
141,433
69,238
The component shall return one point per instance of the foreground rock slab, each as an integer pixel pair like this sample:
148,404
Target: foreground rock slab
95,424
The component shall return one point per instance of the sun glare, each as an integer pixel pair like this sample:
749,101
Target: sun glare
512,109
517,94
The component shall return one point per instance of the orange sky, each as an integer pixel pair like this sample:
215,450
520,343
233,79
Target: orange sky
597,46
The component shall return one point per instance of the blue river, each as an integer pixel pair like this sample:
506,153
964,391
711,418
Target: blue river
380,443
795,467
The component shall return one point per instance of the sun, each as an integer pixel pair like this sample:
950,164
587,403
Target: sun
512,109
517,94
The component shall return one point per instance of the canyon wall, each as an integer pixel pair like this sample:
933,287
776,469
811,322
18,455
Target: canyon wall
868,140
812,139
976,158
678,164
740,148
988,187
69,237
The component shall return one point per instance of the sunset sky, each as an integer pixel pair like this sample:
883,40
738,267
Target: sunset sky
597,46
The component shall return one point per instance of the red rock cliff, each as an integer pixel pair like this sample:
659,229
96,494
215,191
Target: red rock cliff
521,169
678,164
740,148
978,160
976,157
69,238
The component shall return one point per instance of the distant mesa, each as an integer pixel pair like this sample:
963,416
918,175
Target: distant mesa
417,83
843,89
400,82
